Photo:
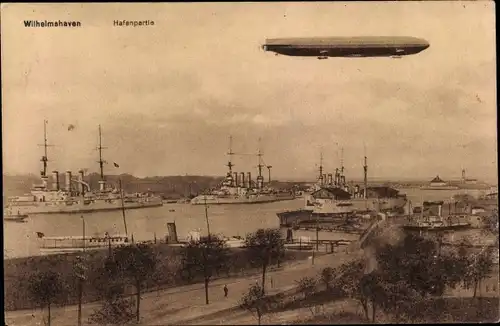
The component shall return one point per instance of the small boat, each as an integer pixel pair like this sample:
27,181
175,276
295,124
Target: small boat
15,218
436,225
8,215
66,244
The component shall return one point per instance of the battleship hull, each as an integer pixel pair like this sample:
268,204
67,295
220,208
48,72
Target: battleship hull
452,227
252,199
79,208
338,210
439,188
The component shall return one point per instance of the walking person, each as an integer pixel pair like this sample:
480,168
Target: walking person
226,290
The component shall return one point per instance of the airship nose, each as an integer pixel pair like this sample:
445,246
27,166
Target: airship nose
264,47
425,44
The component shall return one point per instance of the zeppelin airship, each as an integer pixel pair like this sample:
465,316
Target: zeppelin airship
359,46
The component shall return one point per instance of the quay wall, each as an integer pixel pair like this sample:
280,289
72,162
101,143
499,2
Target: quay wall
168,274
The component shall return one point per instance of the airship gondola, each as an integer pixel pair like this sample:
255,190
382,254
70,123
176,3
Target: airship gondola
360,46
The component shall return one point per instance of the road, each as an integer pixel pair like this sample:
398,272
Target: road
187,304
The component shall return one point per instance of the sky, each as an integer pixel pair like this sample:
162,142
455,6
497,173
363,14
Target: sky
169,95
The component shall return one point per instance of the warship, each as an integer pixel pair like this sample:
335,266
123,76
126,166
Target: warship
435,222
438,184
332,198
76,195
239,188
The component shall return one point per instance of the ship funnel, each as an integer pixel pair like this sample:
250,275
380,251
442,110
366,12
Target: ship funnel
249,181
330,179
260,182
68,180
324,179
80,178
242,181
235,179
55,180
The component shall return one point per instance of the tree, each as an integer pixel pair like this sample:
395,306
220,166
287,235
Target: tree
136,262
263,246
116,308
327,277
307,286
45,287
256,301
417,261
480,266
349,282
207,256
371,288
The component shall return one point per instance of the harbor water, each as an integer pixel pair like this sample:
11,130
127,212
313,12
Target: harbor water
20,239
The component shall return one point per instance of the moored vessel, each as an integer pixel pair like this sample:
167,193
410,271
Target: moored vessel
333,199
438,184
75,195
435,223
67,244
239,188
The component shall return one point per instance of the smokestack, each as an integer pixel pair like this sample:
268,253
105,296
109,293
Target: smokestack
330,179
440,210
249,177
102,184
260,182
337,177
80,178
242,181
324,179
55,180
68,180
44,181
235,179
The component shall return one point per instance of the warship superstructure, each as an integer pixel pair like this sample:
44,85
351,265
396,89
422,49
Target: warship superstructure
239,188
332,197
76,195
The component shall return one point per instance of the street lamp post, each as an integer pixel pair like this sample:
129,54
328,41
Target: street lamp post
206,216
123,207
80,271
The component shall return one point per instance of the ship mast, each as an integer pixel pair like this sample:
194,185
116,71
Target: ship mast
260,178
321,168
44,158
100,148
101,161
342,161
259,154
365,169
230,153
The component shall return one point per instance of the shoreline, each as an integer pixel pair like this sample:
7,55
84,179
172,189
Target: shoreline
168,273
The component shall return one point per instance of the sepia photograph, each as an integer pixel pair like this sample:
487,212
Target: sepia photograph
249,163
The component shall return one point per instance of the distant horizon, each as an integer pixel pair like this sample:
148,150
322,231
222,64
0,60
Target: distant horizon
279,179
